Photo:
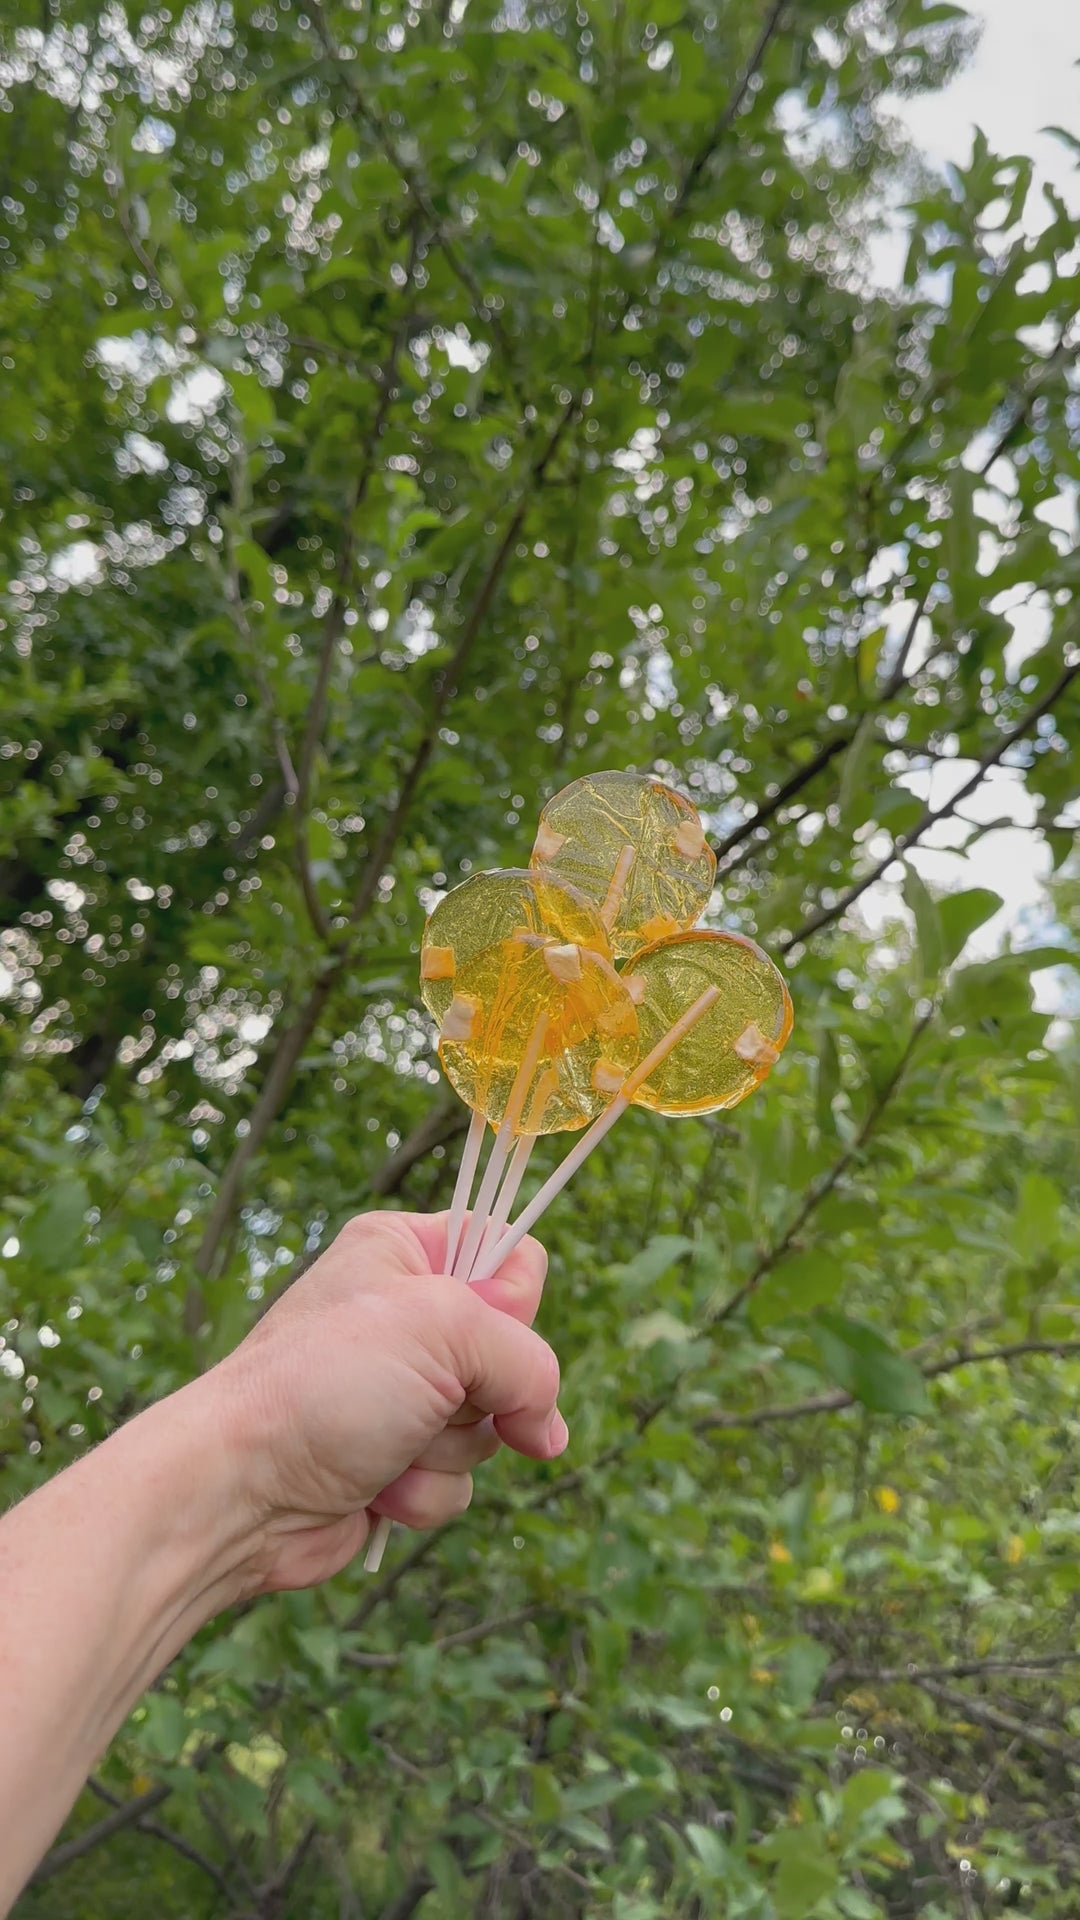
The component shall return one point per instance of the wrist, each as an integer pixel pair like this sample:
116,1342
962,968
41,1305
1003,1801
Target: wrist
197,1517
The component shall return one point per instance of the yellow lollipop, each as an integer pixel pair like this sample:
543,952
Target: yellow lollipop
538,1036
733,1044
489,908
636,849
714,1015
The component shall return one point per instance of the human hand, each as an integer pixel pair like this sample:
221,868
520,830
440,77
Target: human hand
375,1386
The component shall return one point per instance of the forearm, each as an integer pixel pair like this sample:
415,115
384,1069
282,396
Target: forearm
104,1574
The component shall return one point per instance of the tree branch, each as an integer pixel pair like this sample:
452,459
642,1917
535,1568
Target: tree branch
834,1401
157,1832
184,1847
1062,351
792,785
372,118
387,840
1060,1745
732,106
446,1120
1023,1667
826,753
335,615
820,1189
128,1814
467,1637
483,1814
825,916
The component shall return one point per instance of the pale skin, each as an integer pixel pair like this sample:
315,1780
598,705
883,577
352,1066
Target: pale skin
373,1387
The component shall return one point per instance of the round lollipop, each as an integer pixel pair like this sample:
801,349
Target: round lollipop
491,907
736,1041
539,1034
635,848
714,1015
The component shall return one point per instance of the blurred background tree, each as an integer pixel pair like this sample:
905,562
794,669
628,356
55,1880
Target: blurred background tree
405,410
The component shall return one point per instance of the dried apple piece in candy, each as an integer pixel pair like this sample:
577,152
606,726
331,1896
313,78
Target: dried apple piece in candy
733,1045
541,1033
491,907
635,847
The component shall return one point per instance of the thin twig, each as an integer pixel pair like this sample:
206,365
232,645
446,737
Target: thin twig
1023,1667
128,1814
467,1637
485,1815
732,107
834,1401
825,916
820,1189
184,1847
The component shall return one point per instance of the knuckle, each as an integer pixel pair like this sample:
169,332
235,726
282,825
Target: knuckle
358,1227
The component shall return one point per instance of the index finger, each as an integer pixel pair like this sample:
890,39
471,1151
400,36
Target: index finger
516,1289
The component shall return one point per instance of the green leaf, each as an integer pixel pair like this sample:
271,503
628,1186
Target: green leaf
959,914
654,1260
804,1874
164,1729
1067,139
1036,1225
868,1791
307,1785
650,1328
856,786
546,1794
862,1362
586,1833
796,1286
322,1645
445,1871
826,1083
962,543
710,1849
764,415
51,1234
928,929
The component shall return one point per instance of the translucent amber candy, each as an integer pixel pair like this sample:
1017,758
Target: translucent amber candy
545,1030
735,1043
491,907
635,848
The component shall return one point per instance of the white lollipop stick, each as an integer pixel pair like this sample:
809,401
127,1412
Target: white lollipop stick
493,1257
463,1189
500,1151
500,1212
377,1545
474,1232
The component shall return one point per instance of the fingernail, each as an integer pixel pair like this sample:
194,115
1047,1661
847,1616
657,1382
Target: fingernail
558,1434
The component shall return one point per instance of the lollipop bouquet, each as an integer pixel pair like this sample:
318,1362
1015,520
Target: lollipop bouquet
540,1033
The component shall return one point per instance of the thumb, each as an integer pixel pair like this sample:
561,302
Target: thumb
508,1371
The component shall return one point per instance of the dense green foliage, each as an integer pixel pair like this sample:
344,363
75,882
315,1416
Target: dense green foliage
404,411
